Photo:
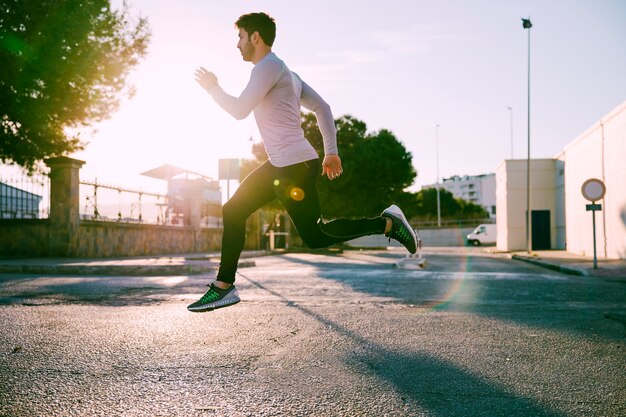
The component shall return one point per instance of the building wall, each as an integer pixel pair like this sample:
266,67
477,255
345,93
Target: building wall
560,212
488,193
511,200
600,153
503,240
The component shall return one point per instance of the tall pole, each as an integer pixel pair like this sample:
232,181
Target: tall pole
438,198
527,25
595,257
511,125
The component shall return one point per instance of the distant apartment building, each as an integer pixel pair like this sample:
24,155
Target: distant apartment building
479,189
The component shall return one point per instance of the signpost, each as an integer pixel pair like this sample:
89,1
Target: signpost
593,190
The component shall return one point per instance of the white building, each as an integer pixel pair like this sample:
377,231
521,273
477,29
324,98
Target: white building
557,205
547,215
479,189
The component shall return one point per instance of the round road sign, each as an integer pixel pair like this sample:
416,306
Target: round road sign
593,189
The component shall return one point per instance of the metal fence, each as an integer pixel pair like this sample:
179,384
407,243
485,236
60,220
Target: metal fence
447,223
24,196
27,196
104,202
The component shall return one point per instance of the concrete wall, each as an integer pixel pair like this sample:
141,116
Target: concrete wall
560,214
511,200
600,153
429,237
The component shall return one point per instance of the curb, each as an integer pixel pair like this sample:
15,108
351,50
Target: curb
115,270
554,267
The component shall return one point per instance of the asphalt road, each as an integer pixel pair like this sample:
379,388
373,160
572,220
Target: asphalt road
318,335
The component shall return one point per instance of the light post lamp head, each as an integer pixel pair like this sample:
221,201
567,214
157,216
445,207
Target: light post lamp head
526,23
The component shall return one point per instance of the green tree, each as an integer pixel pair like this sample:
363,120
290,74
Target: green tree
451,208
377,168
64,65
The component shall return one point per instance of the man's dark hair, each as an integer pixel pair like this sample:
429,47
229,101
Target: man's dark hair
258,22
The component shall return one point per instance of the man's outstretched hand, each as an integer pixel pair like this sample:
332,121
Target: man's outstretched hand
206,78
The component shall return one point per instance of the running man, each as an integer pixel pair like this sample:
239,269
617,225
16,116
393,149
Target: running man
275,95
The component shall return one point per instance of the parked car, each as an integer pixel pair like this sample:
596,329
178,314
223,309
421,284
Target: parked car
484,234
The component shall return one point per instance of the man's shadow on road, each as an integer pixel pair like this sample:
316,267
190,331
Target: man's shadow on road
581,306
438,387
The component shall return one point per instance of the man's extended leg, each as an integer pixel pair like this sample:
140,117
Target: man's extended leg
297,192
254,192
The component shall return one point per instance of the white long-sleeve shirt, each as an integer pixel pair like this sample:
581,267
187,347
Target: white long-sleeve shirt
275,94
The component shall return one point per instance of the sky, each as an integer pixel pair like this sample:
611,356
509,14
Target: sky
404,66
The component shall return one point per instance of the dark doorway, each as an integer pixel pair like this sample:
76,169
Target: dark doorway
540,229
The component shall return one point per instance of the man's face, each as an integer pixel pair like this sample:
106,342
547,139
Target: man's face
245,45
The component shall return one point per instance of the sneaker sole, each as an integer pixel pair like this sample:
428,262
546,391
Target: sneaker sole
211,308
398,213
231,299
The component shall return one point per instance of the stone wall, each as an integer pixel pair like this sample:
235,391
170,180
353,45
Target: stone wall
103,239
31,238
23,238
64,234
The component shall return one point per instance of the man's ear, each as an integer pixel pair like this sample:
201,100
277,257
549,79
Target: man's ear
255,37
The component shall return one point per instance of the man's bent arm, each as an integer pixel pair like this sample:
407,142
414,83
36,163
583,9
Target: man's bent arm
264,76
312,101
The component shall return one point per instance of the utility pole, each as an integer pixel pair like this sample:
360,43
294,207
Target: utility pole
527,25
438,198
511,124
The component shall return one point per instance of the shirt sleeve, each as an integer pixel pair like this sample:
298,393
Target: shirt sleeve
264,75
310,100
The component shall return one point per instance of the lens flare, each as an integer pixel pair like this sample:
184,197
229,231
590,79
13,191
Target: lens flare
448,295
296,194
457,290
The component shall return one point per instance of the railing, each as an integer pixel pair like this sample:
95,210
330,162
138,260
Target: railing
24,196
102,202
109,203
430,224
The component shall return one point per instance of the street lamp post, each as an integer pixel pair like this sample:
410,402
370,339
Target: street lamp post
527,25
438,198
511,111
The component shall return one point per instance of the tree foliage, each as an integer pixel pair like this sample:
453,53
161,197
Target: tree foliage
64,65
377,168
425,206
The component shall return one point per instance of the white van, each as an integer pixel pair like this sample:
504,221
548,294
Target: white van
484,234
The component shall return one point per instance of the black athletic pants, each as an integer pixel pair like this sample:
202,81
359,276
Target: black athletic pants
294,186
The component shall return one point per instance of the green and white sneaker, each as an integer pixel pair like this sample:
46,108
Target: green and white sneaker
215,298
401,230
